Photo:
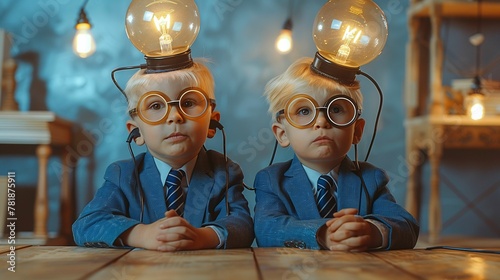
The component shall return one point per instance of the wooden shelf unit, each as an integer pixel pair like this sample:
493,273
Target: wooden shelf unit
428,125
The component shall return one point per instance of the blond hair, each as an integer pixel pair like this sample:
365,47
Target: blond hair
299,78
140,83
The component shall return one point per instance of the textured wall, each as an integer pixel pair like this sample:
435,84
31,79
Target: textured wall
238,37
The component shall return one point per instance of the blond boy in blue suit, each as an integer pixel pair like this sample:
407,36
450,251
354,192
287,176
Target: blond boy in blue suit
321,199
171,113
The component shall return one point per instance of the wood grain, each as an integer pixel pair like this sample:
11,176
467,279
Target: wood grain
288,263
205,264
58,262
444,264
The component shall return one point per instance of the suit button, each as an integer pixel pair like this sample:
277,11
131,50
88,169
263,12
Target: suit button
295,244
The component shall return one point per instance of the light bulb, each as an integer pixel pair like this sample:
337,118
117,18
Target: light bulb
477,111
348,34
284,41
474,101
162,28
83,42
475,105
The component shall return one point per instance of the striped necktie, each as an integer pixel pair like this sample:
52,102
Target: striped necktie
175,195
326,199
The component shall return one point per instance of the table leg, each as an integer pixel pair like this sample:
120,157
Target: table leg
414,163
41,205
67,203
435,154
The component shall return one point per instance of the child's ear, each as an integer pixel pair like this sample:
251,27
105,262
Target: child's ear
212,129
359,126
280,134
131,125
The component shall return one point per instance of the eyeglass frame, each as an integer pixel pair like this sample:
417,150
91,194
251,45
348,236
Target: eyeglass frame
320,108
135,111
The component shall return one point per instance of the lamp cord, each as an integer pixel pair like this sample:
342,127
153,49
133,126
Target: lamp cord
478,47
142,66
83,6
379,110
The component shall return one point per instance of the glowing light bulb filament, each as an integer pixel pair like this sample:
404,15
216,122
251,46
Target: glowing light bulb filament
83,43
165,39
477,111
350,36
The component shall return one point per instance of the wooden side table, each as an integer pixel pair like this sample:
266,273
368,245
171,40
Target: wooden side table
45,130
431,135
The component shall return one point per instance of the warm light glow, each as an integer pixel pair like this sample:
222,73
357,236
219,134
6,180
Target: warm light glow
163,25
477,268
475,106
477,111
350,33
83,43
284,41
162,28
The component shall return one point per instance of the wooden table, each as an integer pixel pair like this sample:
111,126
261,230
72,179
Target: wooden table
46,131
69,262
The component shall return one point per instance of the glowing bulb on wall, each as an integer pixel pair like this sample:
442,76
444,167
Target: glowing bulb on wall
284,41
83,42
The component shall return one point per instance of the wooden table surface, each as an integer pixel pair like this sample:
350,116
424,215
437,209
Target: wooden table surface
71,262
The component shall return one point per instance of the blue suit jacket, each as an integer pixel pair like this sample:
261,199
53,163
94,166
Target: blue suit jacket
286,213
117,206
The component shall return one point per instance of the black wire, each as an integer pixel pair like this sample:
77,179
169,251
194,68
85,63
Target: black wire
379,110
142,66
478,47
464,249
226,169
274,152
85,3
138,181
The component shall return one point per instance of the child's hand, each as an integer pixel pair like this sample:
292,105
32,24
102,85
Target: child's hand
350,232
143,235
177,234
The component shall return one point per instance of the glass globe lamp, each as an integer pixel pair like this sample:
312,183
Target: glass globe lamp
164,32
83,42
474,101
347,34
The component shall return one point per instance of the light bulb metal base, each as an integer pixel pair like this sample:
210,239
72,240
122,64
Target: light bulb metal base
168,63
340,73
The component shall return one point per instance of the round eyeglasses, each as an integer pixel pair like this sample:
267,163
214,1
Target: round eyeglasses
153,107
302,110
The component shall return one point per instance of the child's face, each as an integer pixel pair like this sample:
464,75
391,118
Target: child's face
319,144
175,139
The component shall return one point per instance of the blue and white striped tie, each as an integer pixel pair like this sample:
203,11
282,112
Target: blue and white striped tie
326,199
175,195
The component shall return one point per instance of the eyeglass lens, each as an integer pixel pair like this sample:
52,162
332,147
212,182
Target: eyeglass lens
155,107
340,111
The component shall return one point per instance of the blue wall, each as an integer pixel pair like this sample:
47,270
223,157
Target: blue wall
238,37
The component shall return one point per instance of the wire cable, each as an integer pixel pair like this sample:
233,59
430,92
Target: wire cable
379,110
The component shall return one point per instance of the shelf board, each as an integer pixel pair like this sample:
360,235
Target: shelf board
457,8
454,120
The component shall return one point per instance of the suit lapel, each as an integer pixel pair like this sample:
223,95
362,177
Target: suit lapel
350,187
153,189
199,190
299,190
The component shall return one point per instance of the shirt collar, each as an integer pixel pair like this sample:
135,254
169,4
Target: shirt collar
164,168
313,175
